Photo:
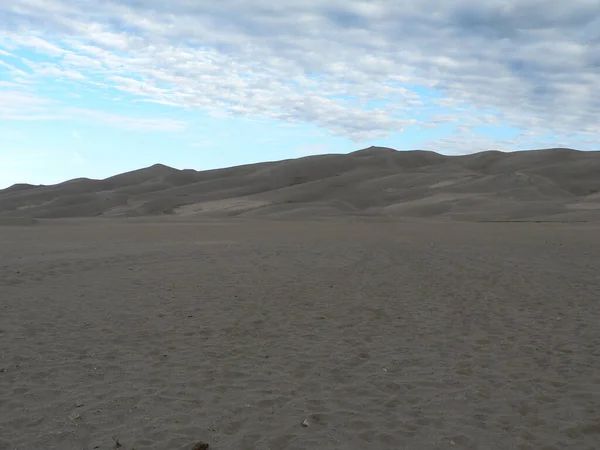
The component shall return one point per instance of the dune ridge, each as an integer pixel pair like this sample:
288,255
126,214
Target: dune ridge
558,184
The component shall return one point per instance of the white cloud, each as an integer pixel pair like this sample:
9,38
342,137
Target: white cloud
54,71
535,64
36,43
12,69
16,104
20,105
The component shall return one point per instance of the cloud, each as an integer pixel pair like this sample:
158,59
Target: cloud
13,70
54,71
535,64
16,105
36,43
20,105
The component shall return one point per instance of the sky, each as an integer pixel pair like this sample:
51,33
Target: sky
92,88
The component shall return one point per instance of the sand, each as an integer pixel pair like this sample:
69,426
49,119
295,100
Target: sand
381,335
17,221
550,184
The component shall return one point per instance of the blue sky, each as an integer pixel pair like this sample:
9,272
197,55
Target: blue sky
97,88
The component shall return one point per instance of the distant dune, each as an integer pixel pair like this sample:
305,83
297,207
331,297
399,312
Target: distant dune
552,184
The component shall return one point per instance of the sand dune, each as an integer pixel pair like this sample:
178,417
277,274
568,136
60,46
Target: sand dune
374,181
173,325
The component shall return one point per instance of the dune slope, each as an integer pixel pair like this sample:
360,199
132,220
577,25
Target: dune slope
549,184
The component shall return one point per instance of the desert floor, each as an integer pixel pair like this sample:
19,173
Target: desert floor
381,335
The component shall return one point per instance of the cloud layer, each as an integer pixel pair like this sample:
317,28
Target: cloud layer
360,69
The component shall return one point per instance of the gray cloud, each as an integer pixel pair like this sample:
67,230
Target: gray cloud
534,62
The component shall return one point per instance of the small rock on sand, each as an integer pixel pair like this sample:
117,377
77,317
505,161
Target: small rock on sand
200,446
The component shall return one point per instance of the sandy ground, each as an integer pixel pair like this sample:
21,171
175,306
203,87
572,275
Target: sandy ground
380,335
